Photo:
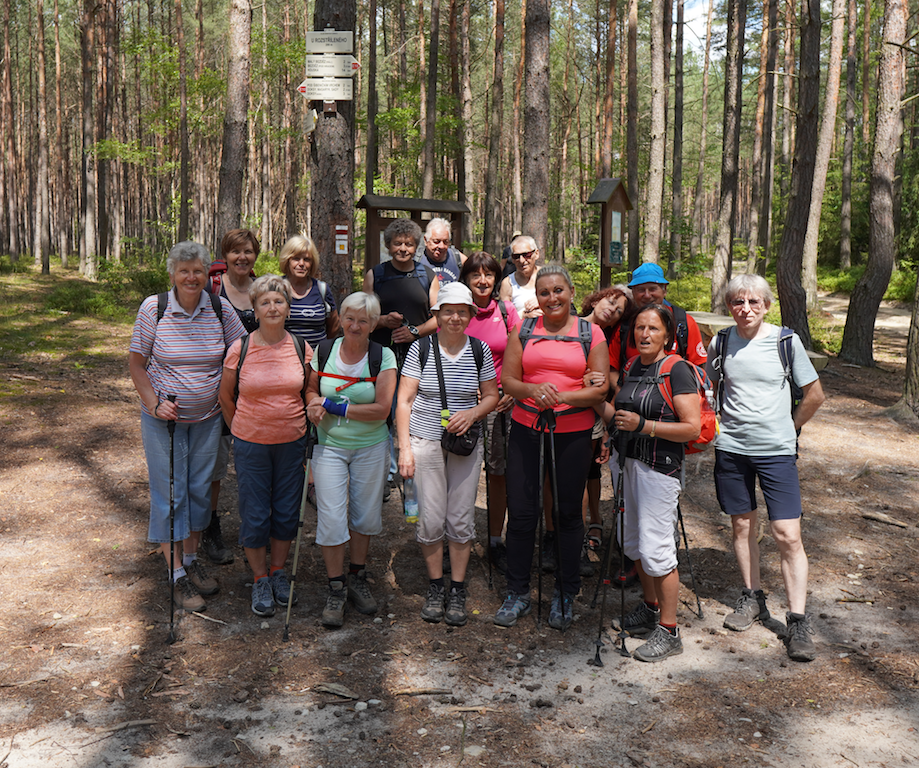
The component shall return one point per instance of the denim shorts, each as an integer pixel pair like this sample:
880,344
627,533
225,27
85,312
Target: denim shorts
270,480
735,484
349,491
194,456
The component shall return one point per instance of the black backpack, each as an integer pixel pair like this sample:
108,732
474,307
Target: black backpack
478,351
162,299
374,360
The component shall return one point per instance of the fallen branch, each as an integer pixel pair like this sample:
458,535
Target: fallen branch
481,710
853,600
124,725
209,618
335,689
648,728
862,472
880,517
421,691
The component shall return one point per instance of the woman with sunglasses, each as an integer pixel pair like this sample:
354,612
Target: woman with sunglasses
520,287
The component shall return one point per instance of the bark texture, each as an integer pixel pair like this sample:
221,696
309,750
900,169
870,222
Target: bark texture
536,125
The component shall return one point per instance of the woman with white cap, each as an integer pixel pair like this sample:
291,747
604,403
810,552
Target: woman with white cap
448,386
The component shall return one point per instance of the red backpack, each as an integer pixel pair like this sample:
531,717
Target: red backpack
705,391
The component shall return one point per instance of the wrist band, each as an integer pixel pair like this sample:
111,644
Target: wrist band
336,409
157,407
641,423
653,428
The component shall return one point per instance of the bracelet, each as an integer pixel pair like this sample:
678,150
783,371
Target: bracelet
157,407
641,423
653,428
336,409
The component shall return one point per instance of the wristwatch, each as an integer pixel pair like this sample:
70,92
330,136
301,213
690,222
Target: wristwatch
414,331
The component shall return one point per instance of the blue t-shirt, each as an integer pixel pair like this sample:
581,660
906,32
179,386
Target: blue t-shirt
308,315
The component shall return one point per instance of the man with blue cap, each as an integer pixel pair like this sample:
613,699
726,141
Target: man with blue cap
649,286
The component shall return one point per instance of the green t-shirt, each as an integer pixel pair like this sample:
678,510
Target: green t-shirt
349,433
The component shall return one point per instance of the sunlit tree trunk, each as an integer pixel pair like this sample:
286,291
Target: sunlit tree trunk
494,237
373,153
631,158
88,254
609,104
764,220
651,250
430,119
676,227
62,161
184,157
518,129
845,217
857,338
788,92
695,242
759,129
867,78
41,241
537,120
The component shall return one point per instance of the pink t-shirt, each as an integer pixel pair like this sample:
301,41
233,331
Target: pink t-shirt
269,410
564,364
488,326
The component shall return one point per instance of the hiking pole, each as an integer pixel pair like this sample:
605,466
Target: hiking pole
171,427
310,443
622,446
491,584
553,486
541,514
692,574
618,512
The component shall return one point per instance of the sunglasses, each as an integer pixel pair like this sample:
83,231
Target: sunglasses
754,303
524,255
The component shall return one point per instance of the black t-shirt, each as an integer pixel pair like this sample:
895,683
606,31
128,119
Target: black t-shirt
640,393
405,293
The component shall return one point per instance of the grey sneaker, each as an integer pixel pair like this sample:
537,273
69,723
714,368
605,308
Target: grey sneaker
514,607
280,587
659,646
455,613
798,642
262,598
641,620
333,615
561,612
204,583
212,543
750,607
549,560
433,609
186,595
359,593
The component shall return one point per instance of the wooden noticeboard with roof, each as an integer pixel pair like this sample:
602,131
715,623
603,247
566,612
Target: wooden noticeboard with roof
377,222
614,200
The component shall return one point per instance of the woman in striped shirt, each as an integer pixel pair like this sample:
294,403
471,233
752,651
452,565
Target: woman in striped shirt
446,482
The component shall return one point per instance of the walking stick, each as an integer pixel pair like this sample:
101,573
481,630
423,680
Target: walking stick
692,574
622,448
549,418
310,443
539,487
491,584
171,426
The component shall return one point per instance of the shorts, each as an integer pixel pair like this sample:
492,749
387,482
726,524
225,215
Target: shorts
446,485
651,510
735,484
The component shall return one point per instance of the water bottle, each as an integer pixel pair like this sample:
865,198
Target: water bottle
409,500
710,397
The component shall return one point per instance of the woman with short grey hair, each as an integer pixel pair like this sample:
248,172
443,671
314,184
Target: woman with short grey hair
175,359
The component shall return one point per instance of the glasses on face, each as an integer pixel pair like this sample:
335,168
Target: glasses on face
439,240
525,255
753,303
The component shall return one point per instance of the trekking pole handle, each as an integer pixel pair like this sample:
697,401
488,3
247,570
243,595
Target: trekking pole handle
171,424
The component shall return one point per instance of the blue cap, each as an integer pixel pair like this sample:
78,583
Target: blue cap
649,272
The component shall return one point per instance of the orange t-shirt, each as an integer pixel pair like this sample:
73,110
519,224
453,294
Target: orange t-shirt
269,410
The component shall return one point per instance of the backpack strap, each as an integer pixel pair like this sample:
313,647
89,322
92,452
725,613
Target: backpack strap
503,308
323,290
420,272
721,346
243,348
787,357
299,346
584,337
162,300
682,330
374,362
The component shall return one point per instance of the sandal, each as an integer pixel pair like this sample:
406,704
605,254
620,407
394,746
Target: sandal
311,494
595,540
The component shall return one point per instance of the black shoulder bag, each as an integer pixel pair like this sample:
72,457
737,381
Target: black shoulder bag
461,445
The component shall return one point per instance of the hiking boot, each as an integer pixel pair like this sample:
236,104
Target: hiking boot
262,597
561,611
359,593
333,615
498,556
659,646
549,559
627,577
514,607
641,620
204,583
433,609
212,543
387,489
280,587
586,566
750,607
455,613
797,638
186,595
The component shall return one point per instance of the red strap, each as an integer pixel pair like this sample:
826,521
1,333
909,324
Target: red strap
349,379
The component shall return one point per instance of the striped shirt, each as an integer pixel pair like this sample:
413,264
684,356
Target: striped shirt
308,315
185,352
461,380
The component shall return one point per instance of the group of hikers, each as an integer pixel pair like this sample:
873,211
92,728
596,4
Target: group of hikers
441,361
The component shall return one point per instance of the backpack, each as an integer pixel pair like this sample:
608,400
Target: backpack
299,345
162,299
786,356
681,333
374,360
503,308
478,351
420,272
215,275
704,388
584,337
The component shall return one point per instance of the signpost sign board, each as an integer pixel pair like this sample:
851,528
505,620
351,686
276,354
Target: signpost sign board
331,66
330,41
327,88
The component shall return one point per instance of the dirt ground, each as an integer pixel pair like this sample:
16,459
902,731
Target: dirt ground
88,679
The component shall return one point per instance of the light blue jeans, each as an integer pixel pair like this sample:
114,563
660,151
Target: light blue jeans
349,491
195,454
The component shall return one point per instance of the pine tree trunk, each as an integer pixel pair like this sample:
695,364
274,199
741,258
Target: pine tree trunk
609,103
235,123
430,120
373,153
184,157
764,220
824,146
788,268
469,180
42,237
88,255
911,384
655,187
759,129
676,227
493,237
10,161
866,298
845,217
695,242
634,227
730,152
867,85
536,126
788,92
516,134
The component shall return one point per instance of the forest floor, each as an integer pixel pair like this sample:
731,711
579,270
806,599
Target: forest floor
88,679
